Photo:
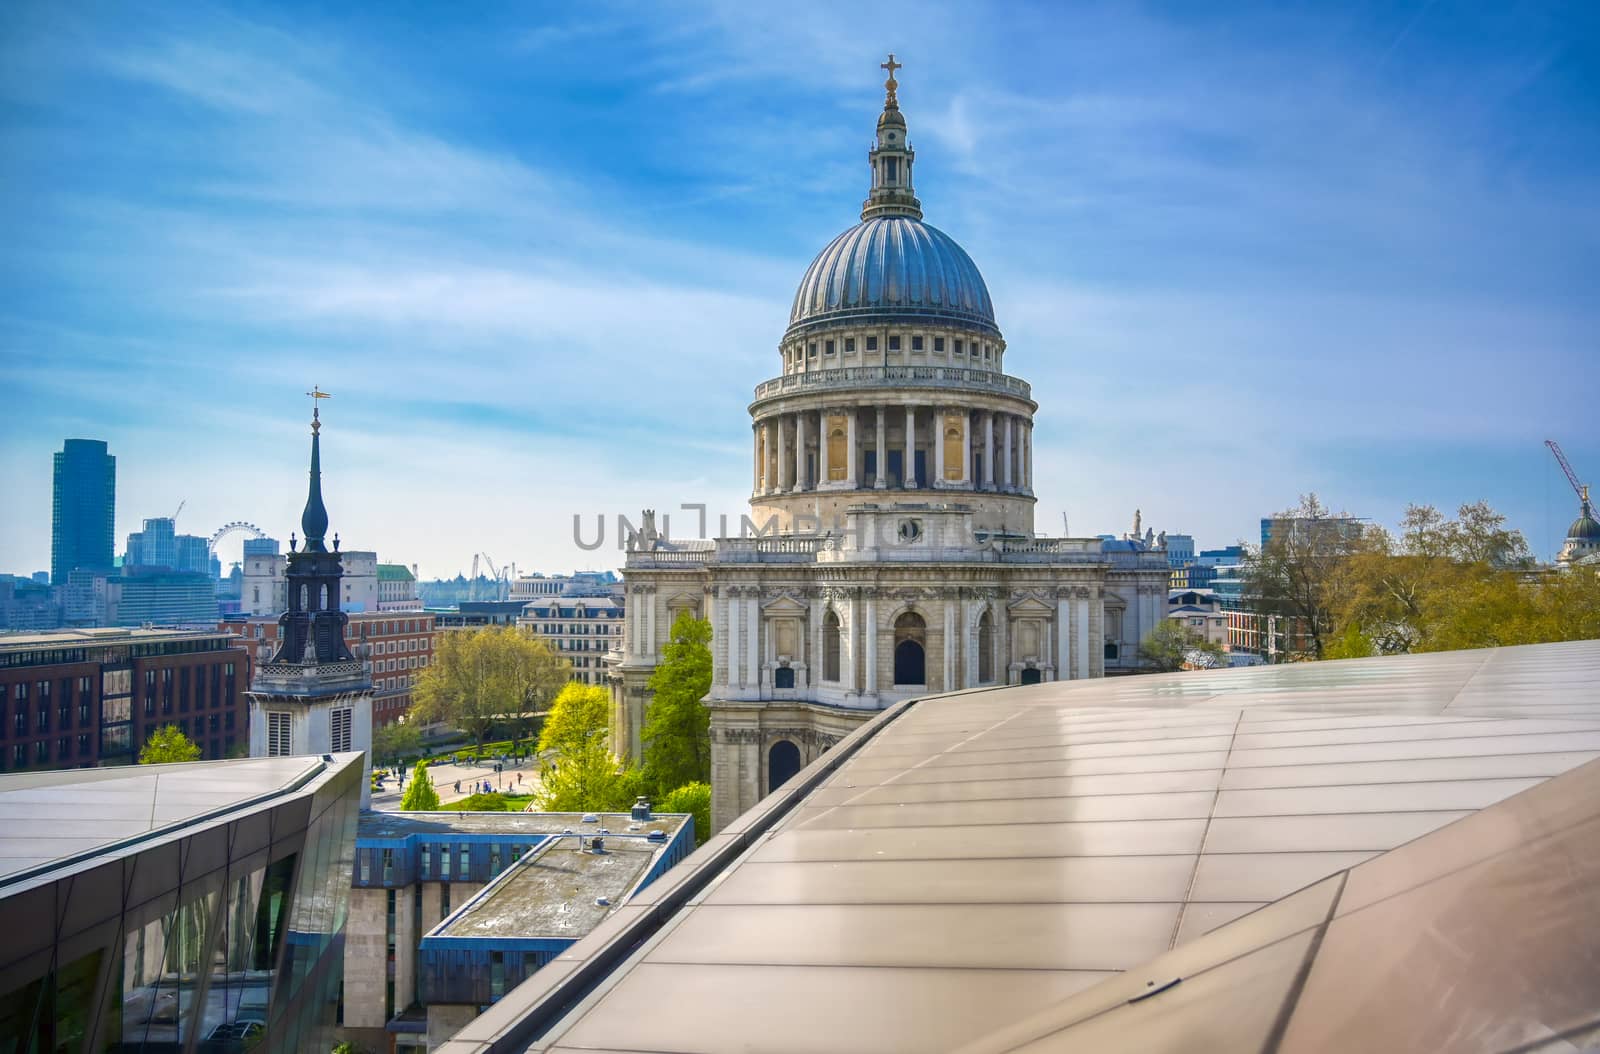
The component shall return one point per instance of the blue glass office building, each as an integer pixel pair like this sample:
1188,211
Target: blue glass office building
83,509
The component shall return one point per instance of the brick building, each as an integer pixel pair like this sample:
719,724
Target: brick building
394,645
78,698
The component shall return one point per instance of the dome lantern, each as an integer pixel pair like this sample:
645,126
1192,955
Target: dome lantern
891,158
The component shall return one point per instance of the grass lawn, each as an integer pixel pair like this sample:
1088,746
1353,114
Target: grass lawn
490,803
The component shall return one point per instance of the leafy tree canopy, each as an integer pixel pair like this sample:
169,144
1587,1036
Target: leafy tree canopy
420,794
580,713
1171,644
677,728
480,677
587,778
692,798
166,745
396,740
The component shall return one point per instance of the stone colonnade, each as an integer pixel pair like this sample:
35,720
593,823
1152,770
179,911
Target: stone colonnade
817,450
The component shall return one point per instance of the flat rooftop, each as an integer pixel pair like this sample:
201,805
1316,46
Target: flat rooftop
88,638
554,894
1277,858
377,825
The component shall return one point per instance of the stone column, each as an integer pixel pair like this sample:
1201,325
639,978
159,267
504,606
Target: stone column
909,469
1082,619
882,443
938,447
822,448
1064,631
1027,457
719,631
869,641
650,622
966,451
767,466
783,455
735,664
988,450
852,476
970,644
755,457
800,481
847,641
752,605
950,646
1005,464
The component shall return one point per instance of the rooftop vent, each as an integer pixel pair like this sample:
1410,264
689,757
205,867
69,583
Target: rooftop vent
656,836
602,902
590,817
597,844
641,808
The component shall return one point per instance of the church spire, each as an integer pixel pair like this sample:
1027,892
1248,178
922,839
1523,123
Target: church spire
314,520
891,158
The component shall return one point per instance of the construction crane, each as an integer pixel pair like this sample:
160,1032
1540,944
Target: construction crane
1582,489
501,583
181,504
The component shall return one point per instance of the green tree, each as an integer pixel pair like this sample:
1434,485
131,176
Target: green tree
580,713
694,798
1171,644
1297,573
420,795
166,745
677,727
396,741
482,677
587,778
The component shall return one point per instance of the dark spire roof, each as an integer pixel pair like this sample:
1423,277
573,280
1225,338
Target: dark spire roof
314,520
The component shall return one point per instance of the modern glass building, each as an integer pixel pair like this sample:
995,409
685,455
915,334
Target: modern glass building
197,907
83,509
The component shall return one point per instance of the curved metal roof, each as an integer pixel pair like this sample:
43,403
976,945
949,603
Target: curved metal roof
893,266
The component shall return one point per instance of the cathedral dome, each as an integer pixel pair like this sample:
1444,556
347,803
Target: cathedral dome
893,266
1585,528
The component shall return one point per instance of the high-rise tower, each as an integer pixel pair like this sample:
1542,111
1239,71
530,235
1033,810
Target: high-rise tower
314,697
83,509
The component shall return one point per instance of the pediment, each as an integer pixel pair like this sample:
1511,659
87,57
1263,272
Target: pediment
784,604
1031,605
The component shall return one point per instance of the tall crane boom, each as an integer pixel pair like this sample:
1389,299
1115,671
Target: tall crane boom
1572,477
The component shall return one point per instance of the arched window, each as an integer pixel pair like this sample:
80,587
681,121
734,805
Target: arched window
783,761
910,662
985,649
830,646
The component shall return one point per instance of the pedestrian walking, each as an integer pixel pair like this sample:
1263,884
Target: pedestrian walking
458,786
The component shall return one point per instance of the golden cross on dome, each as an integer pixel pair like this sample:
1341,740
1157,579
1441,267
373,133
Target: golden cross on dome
316,394
891,84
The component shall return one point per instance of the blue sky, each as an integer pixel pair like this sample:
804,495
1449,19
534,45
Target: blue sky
542,253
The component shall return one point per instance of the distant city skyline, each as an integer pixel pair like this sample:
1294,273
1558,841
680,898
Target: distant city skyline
1239,256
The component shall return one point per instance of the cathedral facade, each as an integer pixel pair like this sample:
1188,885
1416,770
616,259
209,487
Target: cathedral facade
892,551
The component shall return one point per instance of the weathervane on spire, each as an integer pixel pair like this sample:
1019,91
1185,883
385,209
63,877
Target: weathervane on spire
891,84
316,394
